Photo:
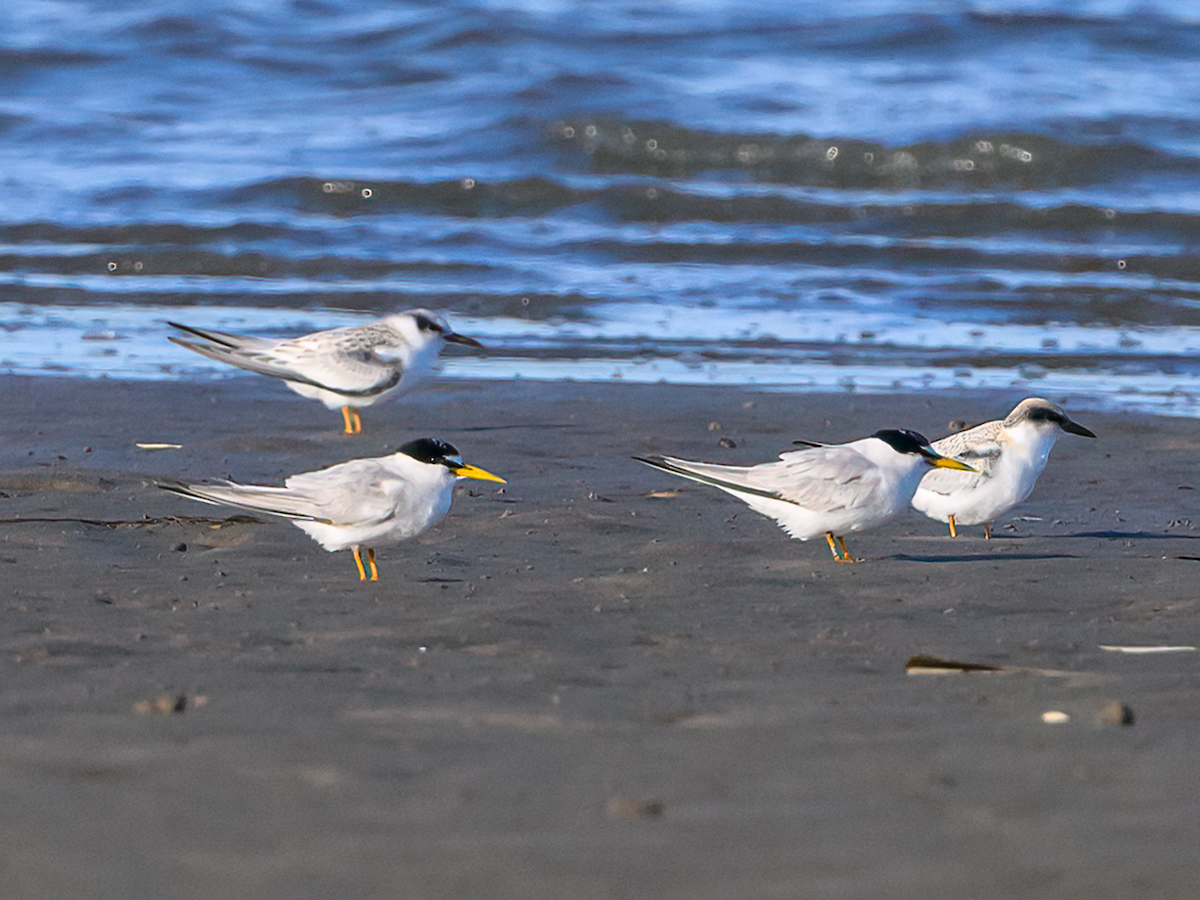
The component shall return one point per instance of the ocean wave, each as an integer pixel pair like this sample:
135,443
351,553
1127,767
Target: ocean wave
979,161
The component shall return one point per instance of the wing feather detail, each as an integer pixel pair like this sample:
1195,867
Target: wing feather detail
346,361
820,479
979,447
359,492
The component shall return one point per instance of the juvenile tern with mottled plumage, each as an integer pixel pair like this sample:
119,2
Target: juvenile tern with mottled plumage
363,502
1007,455
348,367
825,489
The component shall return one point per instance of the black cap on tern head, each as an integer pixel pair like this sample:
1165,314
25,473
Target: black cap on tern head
432,451
904,441
916,444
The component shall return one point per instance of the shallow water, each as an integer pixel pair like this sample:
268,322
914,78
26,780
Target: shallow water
877,196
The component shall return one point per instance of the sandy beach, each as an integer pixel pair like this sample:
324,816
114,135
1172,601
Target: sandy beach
594,682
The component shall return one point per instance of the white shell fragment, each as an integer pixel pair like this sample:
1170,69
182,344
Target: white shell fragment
1148,648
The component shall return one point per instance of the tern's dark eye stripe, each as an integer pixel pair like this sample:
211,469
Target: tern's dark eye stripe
1041,414
427,324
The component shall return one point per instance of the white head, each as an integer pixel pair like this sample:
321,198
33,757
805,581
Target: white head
420,328
1044,417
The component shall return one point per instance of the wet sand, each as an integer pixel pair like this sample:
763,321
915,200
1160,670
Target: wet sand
583,686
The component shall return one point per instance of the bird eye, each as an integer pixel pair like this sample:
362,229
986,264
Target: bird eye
430,450
427,324
1045,415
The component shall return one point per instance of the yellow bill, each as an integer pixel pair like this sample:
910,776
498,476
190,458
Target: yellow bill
466,471
945,462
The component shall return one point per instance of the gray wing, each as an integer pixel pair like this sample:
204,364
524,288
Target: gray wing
353,360
821,479
979,447
359,492
345,360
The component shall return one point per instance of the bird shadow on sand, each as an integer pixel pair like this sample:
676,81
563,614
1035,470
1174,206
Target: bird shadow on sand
979,557
1133,536
534,426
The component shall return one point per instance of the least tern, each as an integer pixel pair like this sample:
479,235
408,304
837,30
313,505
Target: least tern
1008,456
825,489
363,502
348,367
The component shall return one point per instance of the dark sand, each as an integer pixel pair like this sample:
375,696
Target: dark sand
574,689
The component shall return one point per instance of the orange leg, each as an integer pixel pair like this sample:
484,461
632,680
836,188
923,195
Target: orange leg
371,560
352,419
987,531
362,573
837,542
832,546
953,531
846,557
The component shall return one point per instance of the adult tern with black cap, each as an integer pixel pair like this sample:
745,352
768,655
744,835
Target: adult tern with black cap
825,490
360,503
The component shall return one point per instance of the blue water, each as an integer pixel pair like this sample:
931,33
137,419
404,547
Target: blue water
871,196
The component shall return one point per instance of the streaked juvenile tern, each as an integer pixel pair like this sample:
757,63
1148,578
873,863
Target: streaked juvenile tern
825,489
363,502
1008,456
348,367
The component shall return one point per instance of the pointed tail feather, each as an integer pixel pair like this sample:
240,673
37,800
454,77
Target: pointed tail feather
215,337
726,478
223,338
274,501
